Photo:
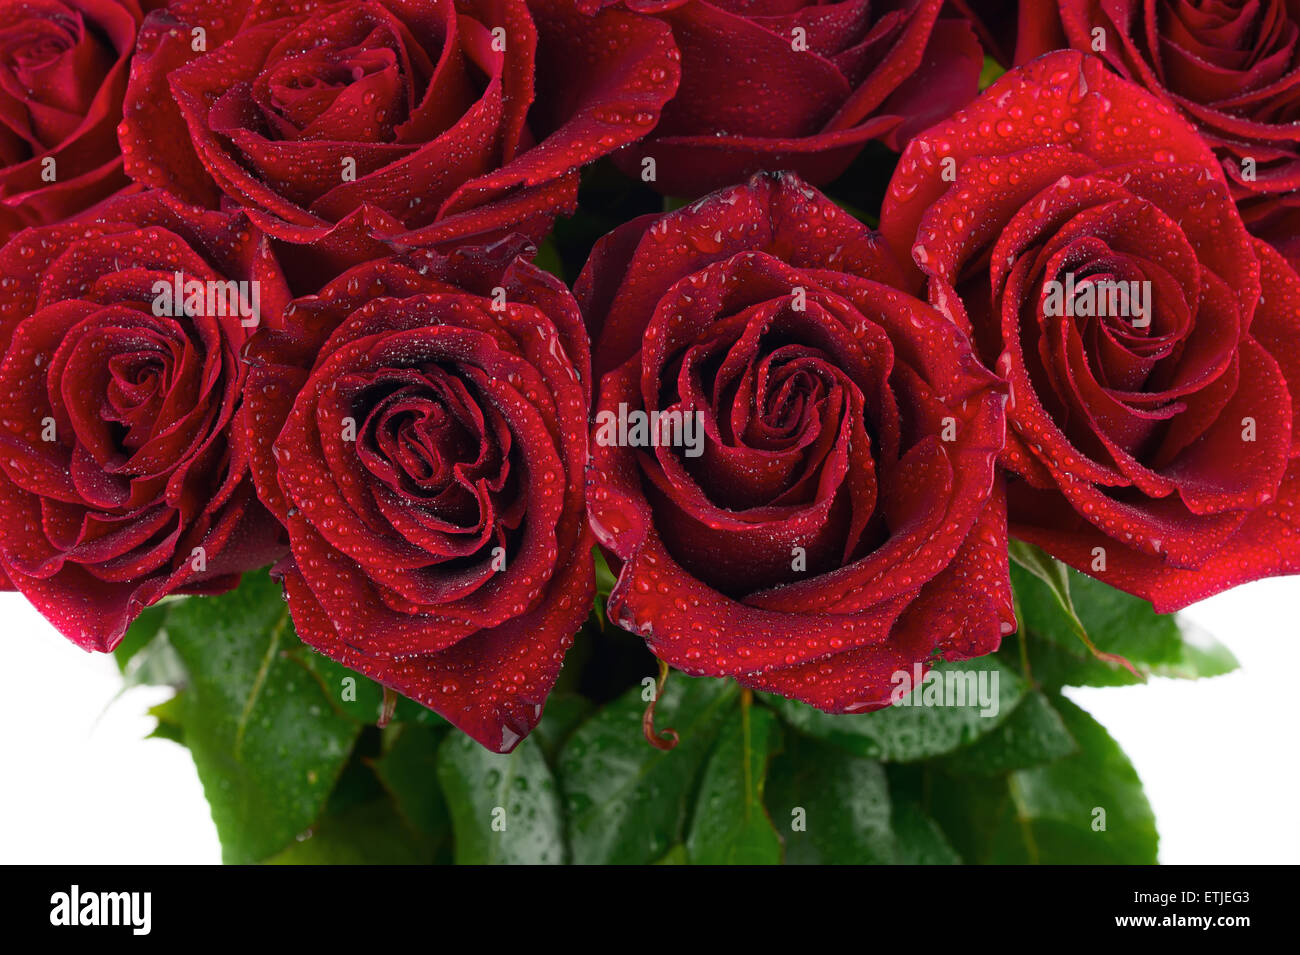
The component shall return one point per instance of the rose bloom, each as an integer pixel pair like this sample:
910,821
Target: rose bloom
839,521
798,85
123,467
63,71
421,121
1231,68
420,429
1154,444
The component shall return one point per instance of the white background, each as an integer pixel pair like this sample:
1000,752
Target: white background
79,784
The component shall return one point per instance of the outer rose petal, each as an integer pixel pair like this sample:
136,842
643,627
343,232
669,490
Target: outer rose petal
947,77
492,685
155,155
631,267
963,612
1267,544
1081,104
751,100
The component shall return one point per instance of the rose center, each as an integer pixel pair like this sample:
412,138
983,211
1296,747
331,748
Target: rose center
425,436
38,44
138,379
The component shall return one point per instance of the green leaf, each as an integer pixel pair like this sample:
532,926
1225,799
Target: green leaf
145,656
1088,808
357,783
352,695
1033,734
408,770
1117,624
409,711
564,713
1199,655
142,630
505,809
627,801
168,714
605,578
1057,577
1052,573
605,581
369,834
919,838
157,664
358,697
830,807
730,824
674,856
266,742
914,732
990,72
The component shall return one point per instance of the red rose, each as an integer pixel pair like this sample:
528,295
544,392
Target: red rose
801,86
63,70
420,121
1233,69
124,469
1080,229
429,472
831,517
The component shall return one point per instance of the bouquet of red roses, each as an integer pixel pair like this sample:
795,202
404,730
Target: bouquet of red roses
416,384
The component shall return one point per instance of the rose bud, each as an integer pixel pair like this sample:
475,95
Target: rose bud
792,462
1083,233
123,463
420,430
63,71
